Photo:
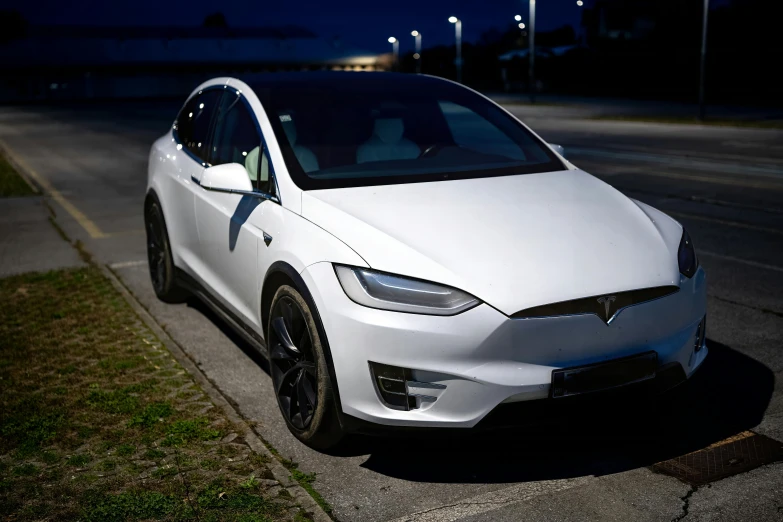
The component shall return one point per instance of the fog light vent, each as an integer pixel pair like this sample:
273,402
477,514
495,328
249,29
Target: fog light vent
701,333
391,385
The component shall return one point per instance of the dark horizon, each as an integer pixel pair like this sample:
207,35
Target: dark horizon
345,19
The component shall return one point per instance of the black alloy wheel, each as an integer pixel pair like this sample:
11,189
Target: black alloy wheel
159,256
300,374
156,251
294,368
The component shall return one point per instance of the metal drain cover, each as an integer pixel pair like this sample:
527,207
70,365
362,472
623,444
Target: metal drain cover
742,452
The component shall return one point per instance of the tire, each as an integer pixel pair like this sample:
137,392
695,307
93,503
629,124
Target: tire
159,258
300,374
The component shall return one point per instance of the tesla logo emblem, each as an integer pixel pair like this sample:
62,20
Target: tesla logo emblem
607,302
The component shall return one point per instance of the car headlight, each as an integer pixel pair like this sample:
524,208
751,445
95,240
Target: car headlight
401,294
686,256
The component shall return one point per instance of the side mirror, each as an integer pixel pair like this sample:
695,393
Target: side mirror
558,148
229,177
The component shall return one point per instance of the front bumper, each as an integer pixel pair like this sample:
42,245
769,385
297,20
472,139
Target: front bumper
482,358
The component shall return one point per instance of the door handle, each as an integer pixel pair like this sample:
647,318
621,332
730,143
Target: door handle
267,239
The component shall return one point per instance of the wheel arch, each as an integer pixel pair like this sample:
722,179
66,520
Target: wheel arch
150,198
153,197
279,274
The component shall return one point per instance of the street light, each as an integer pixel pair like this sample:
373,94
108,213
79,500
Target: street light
532,52
521,25
458,35
580,3
518,18
702,64
417,55
395,51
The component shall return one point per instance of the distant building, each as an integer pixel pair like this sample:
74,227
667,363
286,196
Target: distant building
66,62
620,20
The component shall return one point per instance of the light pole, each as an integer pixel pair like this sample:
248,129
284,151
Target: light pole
458,35
395,51
532,52
417,55
703,63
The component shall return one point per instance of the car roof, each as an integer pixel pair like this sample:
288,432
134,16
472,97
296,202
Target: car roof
332,79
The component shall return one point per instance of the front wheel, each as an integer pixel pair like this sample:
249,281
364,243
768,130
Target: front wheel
159,256
300,375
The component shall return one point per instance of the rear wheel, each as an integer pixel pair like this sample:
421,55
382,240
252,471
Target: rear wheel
299,372
159,256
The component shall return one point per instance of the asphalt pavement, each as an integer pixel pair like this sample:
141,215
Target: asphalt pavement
21,220
724,184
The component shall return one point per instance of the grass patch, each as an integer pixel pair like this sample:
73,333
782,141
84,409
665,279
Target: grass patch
11,183
126,450
25,470
306,480
92,427
152,414
137,505
154,454
114,402
182,432
78,460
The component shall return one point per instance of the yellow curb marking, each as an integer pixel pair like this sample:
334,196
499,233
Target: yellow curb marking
87,224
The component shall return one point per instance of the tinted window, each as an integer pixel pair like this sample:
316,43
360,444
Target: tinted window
236,140
474,132
193,122
355,133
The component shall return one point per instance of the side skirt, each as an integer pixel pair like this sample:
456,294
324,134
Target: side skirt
349,424
236,324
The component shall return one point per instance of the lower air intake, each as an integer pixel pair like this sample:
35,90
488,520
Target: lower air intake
398,390
701,333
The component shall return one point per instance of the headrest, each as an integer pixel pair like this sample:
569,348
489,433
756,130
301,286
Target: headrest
290,131
389,130
251,162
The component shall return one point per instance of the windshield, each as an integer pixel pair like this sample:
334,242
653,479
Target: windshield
359,133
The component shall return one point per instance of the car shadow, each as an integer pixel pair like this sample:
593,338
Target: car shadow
246,206
248,349
729,394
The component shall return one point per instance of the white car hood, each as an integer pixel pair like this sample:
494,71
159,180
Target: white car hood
512,241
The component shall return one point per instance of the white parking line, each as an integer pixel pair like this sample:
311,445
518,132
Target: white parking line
739,260
493,500
127,264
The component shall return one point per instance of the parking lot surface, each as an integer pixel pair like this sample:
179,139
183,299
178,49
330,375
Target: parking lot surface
724,184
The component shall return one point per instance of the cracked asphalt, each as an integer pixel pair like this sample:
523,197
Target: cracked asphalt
725,185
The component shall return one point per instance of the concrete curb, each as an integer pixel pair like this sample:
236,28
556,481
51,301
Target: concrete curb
281,474
5,151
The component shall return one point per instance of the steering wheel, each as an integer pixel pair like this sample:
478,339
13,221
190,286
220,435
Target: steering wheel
433,149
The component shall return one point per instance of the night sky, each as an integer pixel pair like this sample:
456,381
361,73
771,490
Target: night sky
364,23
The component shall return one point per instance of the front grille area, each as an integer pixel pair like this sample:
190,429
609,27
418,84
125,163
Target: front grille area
398,390
606,306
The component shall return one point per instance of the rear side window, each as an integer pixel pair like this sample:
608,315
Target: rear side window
193,123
